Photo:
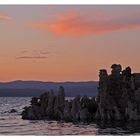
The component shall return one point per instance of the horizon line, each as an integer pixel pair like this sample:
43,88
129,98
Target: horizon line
48,81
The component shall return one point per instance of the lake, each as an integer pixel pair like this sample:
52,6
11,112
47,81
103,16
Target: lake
12,124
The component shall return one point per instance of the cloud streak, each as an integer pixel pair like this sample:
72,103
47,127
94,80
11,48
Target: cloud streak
31,57
4,17
34,54
75,24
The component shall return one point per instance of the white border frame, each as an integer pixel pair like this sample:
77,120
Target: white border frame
67,2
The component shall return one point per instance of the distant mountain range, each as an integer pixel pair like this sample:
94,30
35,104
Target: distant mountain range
35,88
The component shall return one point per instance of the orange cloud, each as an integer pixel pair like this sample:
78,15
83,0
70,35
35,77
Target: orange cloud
4,17
75,24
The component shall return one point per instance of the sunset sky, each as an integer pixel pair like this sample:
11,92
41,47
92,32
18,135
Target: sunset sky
67,43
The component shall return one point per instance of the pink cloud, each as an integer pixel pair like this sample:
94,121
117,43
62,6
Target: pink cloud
75,24
4,17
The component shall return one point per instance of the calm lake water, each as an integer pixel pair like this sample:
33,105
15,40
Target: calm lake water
12,124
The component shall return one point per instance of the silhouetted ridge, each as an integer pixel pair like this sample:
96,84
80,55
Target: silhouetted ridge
35,88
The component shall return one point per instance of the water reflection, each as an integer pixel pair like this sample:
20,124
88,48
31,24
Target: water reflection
118,128
12,124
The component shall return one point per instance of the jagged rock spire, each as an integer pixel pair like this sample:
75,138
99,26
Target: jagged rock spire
118,94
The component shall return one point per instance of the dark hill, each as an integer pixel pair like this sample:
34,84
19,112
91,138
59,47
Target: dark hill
34,88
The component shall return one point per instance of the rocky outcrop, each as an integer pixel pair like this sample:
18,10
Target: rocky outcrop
118,94
118,99
56,107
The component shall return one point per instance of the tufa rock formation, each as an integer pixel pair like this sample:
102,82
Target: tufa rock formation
118,99
118,95
55,107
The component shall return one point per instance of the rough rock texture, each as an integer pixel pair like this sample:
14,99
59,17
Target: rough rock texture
118,99
59,104
56,107
67,111
13,111
50,106
118,94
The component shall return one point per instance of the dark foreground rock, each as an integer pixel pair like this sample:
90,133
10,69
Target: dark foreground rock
118,99
118,95
54,107
13,111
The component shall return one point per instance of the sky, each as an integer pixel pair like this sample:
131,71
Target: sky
67,43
